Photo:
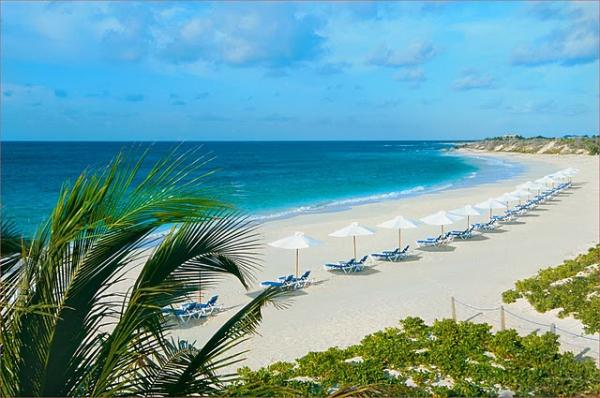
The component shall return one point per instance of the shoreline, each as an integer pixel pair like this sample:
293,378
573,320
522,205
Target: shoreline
341,309
335,205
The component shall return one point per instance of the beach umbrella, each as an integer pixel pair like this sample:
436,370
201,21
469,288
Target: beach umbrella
530,186
441,218
521,193
296,242
569,172
546,180
507,197
353,230
398,223
490,205
467,211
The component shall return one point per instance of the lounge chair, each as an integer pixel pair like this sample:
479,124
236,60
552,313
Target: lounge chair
439,241
394,255
282,281
347,266
466,234
302,281
506,217
202,309
488,226
182,315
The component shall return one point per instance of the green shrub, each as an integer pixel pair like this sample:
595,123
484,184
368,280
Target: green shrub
414,359
572,287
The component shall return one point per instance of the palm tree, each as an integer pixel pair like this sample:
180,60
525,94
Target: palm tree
67,330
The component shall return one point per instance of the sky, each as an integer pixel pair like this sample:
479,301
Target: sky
297,70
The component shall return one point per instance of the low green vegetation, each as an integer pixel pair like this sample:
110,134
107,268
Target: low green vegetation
447,358
561,145
573,287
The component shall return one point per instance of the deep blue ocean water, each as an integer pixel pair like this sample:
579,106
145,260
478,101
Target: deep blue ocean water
266,179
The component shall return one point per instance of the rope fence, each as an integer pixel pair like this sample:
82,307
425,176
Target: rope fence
519,322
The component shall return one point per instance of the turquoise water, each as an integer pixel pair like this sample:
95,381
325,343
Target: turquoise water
267,179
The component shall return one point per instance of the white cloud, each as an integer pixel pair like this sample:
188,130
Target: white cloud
576,42
416,53
471,80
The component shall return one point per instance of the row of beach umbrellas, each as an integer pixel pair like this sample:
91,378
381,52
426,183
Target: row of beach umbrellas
442,218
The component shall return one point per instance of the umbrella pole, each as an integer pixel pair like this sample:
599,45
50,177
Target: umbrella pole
400,238
297,261
200,287
354,244
490,214
468,223
442,229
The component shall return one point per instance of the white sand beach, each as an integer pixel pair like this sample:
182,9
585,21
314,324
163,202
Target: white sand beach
340,309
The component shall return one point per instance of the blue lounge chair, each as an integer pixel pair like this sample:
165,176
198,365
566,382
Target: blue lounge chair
302,281
506,217
284,281
466,234
347,266
439,241
488,226
394,255
202,309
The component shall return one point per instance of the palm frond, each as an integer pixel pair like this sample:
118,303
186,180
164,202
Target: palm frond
190,256
11,241
59,288
197,373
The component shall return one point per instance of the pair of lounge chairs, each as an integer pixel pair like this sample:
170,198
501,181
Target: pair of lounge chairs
439,241
289,281
465,234
347,266
193,310
508,216
393,255
488,226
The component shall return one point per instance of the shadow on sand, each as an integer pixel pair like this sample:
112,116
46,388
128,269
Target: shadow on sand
496,231
408,259
435,249
514,223
475,238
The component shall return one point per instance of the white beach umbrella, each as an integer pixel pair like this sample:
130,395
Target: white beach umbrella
530,185
398,223
353,230
569,172
546,180
296,242
490,205
521,193
441,218
506,198
467,211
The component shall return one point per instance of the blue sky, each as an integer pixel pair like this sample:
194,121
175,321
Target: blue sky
285,71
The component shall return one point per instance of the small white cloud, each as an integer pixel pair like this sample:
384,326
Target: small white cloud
413,75
416,53
471,80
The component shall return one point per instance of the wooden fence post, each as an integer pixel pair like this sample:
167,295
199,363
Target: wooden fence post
453,304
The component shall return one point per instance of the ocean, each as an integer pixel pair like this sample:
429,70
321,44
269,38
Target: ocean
266,179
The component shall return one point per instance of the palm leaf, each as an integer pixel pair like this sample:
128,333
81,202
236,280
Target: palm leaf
197,373
192,255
